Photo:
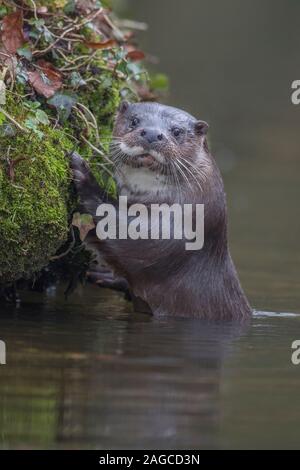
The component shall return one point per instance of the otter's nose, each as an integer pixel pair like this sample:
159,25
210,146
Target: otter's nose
152,135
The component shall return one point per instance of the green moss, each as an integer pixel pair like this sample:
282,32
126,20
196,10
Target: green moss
102,99
34,202
35,205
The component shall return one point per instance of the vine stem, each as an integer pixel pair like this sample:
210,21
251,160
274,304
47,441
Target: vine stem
71,246
100,153
75,27
13,120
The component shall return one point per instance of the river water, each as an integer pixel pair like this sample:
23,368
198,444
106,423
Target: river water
89,373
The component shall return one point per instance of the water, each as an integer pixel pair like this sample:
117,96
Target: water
88,373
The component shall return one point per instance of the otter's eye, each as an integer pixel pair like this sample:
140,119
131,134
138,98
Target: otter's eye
134,122
176,132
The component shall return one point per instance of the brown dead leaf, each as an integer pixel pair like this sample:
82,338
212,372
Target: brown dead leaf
145,93
11,167
102,45
84,223
12,32
46,81
49,70
135,55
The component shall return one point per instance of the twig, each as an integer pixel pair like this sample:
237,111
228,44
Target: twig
78,66
3,73
100,153
89,112
117,32
34,9
80,113
72,28
72,62
129,24
13,120
6,55
72,244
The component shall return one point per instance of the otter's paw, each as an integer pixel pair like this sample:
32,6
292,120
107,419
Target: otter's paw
89,192
81,171
104,277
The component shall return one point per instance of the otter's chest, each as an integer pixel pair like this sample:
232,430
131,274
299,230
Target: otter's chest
140,181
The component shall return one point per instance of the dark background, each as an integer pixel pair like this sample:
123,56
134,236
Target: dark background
232,64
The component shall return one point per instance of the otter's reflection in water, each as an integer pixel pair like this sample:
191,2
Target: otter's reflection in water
95,375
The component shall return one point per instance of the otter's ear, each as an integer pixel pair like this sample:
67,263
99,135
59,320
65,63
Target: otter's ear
201,127
123,106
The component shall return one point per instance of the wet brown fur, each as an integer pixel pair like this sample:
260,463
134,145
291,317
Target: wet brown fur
167,278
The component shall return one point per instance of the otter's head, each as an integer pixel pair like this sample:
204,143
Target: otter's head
155,146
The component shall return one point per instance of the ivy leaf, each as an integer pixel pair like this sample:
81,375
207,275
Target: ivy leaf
42,117
32,105
159,82
134,68
38,23
32,124
21,74
3,11
84,223
25,52
70,7
77,80
7,129
123,66
106,82
48,36
63,104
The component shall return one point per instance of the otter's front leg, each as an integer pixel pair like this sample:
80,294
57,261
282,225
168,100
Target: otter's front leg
104,277
89,192
90,197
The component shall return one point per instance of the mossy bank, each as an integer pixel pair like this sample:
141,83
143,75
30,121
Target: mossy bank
34,205
64,67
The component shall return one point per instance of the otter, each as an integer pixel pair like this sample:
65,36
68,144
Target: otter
161,155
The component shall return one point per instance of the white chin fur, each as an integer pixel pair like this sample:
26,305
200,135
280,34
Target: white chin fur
142,180
138,150
131,151
157,156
